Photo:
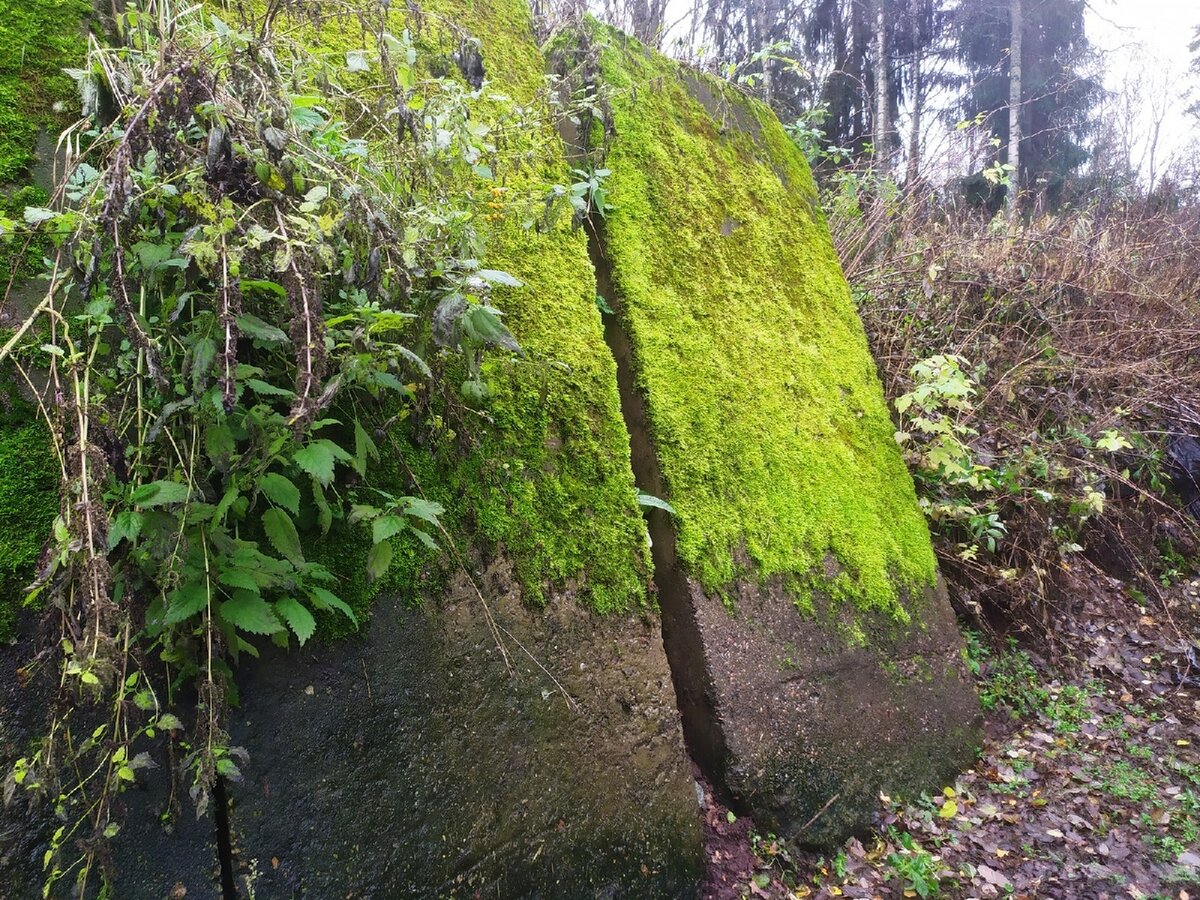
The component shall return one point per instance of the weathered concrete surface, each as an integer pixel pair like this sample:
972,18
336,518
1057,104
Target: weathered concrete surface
814,727
815,654
412,764
162,845
24,831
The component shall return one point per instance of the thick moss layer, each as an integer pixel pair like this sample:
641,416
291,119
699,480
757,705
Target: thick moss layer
38,38
28,504
766,408
549,480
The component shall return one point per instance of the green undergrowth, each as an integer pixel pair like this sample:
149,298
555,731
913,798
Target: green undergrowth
767,411
545,474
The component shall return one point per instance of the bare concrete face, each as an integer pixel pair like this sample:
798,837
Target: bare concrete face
412,763
815,727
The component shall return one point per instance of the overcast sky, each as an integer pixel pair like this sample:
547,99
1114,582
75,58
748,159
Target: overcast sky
1150,38
1163,27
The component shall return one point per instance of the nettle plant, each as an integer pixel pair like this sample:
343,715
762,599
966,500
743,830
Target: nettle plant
264,258
969,502
935,436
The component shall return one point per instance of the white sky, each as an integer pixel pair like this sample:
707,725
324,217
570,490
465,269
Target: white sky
1147,40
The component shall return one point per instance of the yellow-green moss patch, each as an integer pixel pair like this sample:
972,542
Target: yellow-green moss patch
38,38
544,472
766,408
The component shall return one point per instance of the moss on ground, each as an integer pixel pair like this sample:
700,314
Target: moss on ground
549,478
767,411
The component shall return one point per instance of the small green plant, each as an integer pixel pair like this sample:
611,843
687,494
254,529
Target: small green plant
588,194
1009,679
1127,782
774,856
915,868
933,429
1069,708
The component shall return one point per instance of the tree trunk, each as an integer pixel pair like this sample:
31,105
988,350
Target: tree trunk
883,125
1014,108
918,95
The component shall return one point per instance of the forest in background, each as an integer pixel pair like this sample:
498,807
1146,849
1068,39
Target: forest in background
927,89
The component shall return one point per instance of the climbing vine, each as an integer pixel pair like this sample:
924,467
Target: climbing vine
265,259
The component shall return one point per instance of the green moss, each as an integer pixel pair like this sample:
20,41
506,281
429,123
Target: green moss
28,505
767,411
37,39
552,480
548,478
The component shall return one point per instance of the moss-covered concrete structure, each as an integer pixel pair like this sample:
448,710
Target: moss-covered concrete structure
38,39
517,734
815,654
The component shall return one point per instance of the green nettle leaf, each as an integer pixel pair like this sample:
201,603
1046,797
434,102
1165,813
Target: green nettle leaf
185,601
250,613
281,531
356,61
318,460
218,442
227,501
416,360
238,578
364,447
250,285
493,276
423,509
655,502
325,600
160,493
483,324
281,492
425,539
385,527
35,215
361,512
203,354
379,560
253,326
324,510
264,389
126,526
299,619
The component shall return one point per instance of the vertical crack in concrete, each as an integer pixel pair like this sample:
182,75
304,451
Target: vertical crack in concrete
694,693
224,840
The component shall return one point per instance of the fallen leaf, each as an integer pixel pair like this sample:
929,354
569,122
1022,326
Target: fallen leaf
991,876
